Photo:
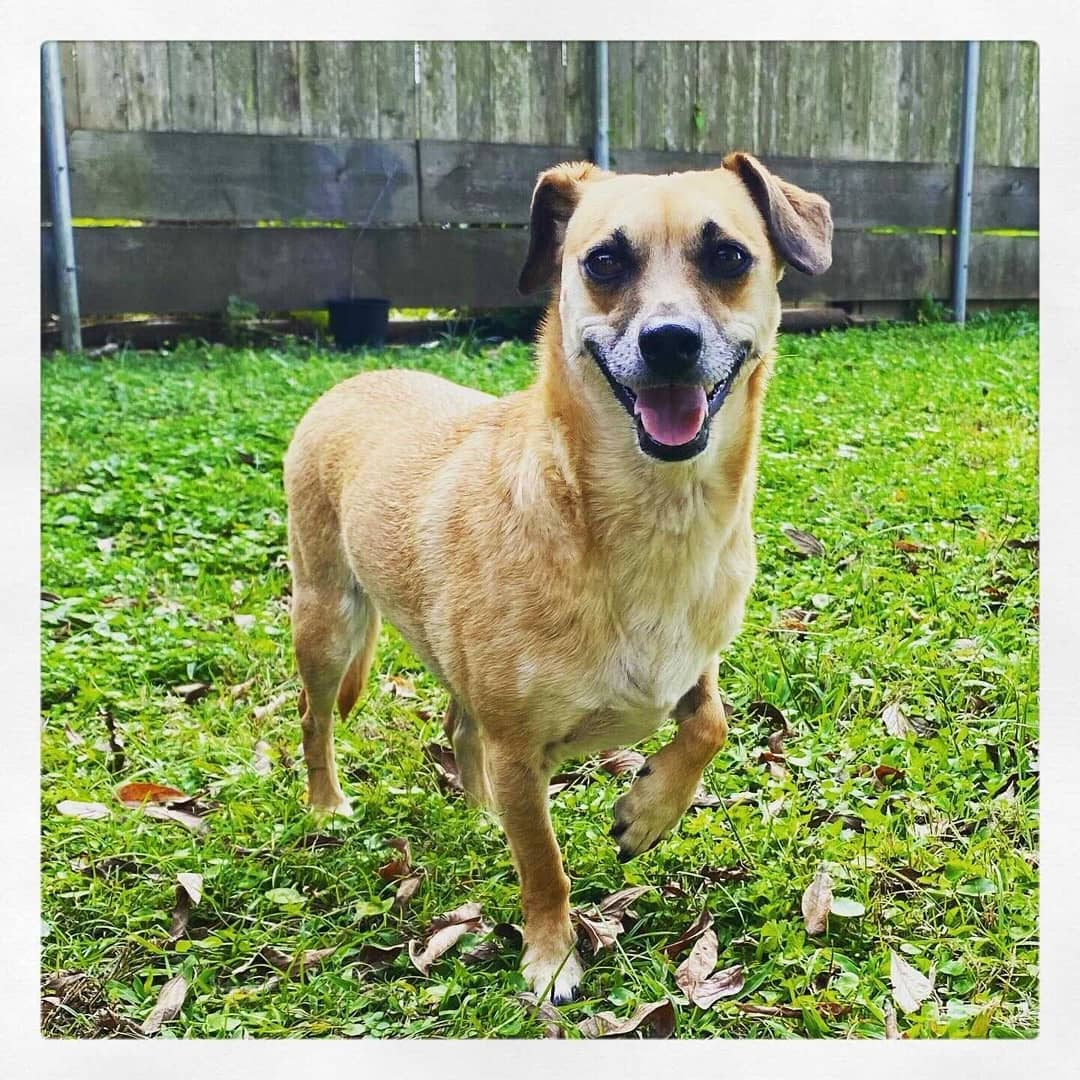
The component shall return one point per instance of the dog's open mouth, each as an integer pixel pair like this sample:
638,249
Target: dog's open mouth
671,420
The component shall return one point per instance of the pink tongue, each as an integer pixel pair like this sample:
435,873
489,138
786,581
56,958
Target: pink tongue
671,415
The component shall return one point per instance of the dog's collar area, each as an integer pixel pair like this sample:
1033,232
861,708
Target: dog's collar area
660,451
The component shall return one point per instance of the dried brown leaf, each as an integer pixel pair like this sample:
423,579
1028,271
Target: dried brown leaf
816,901
764,710
402,865
697,967
804,543
188,895
657,1016
169,1003
447,930
192,692
721,875
442,757
598,931
261,712
379,955
892,1029
407,889
135,796
260,762
181,817
908,546
720,984
240,689
546,1011
618,762
617,905
295,963
698,927
86,810
896,723
910,987
705,799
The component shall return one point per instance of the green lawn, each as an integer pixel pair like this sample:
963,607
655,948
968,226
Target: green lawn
909,452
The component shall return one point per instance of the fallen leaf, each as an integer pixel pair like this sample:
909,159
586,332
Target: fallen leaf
764,710
1030,543
697,967
181,817
776,742
188,895
543,1010
896,723
815,903
320,840
598,931
192,692
892,1031
261,712
846,907
720,984
658,1017
400,686
169,1003
295,963
698,927
86,810
135,796
618,762
910,988
240,689
399,867
617,905
721,875
446,931
379,955
705,799
886,774
406,890
908,546
803,542
261,763
105,545
244,622
442,757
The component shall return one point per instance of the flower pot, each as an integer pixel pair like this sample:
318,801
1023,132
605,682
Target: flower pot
358,321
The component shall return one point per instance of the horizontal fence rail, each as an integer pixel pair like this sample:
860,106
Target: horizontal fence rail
288,222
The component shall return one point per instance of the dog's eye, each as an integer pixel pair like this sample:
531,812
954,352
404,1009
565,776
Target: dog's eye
604,265
728,261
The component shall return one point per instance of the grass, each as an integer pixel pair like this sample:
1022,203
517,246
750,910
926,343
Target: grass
163,522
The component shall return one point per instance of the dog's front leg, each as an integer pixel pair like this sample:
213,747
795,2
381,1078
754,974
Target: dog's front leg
549,961
667,782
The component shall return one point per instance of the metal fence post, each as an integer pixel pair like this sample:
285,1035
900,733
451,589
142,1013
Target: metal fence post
67,288
601,150
962,247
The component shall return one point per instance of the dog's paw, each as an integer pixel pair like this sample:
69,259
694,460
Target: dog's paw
553,974
330,805
649,810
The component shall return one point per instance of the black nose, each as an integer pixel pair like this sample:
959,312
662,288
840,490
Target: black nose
669,346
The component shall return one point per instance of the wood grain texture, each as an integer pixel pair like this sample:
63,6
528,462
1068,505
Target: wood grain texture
103,98
475,104
358,92
620,94
191,85
146,77
320,85
178,176
234,87
547,92
196,269
396,63
277,79
580,113
69,82
438,90
510,91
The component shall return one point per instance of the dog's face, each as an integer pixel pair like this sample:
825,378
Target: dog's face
667,286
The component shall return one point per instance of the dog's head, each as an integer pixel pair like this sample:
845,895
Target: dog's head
667,285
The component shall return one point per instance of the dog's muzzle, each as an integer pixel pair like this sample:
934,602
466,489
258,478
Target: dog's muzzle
671,417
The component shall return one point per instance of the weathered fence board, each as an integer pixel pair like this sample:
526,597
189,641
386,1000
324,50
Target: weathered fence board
848,99
150,269
234,87
242,178
191,79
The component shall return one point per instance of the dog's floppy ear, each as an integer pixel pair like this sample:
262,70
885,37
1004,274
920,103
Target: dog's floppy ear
554,198
799,222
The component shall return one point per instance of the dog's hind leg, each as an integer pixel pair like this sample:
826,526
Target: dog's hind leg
334,635
666,784
469,753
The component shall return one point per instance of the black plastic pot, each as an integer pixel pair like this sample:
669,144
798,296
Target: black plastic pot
358,321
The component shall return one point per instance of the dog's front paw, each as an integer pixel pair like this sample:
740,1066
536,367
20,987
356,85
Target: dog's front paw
552,972
650,809
328,804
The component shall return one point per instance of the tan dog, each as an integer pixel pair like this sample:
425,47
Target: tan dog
569,560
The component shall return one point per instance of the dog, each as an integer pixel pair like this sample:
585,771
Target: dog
568,560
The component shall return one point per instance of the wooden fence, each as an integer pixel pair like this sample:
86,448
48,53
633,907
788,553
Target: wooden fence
288,172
